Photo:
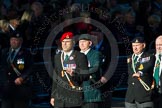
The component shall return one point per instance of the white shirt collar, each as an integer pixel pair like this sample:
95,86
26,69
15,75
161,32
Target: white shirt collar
16,50
86,52
12,27
68,53
157,54
139,55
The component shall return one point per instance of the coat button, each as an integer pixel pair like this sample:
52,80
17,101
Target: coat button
133,83
9,73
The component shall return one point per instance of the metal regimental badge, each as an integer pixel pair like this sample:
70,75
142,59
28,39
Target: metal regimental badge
21,66
140,67
128,60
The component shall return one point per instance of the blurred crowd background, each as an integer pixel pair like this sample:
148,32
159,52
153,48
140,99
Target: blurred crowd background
35,19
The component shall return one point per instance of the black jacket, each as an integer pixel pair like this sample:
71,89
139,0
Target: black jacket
62,92
136,91
23,63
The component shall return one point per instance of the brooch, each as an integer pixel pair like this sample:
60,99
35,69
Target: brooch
140,67
128,60
71,58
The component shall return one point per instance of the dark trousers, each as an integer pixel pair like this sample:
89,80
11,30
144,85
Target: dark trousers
92,105
158,101
139,105
67,107
15,104
107,99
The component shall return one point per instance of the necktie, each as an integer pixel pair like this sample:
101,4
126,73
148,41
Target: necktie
135,60
66,58
12,54
157,67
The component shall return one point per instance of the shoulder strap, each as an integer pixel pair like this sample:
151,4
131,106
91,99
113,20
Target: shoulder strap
15,70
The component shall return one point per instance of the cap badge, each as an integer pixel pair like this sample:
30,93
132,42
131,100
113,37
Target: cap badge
17,35
136,41
67,36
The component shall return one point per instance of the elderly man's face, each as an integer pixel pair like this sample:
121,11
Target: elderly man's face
158,45
67,45
138,47
15,42
84,45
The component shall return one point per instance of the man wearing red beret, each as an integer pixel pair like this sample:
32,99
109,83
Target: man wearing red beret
71,69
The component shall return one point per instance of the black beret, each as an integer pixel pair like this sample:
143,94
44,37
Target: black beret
15,35
85,37
138,40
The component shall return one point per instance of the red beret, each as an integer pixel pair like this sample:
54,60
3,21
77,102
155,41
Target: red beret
66,35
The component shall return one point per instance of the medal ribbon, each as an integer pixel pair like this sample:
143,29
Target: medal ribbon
65,73
147,88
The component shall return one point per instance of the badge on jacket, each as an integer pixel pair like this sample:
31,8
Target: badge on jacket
20,63
128,60
141,67
72,66
146,59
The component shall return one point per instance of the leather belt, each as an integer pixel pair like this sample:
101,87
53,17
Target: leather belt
77,88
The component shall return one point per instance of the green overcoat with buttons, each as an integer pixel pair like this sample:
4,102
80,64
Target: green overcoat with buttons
92,93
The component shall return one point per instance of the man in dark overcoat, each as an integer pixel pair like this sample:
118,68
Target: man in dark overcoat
70,70
140,76
15,67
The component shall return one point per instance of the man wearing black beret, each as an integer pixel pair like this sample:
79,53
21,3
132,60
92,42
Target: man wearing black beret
140,76
15,67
